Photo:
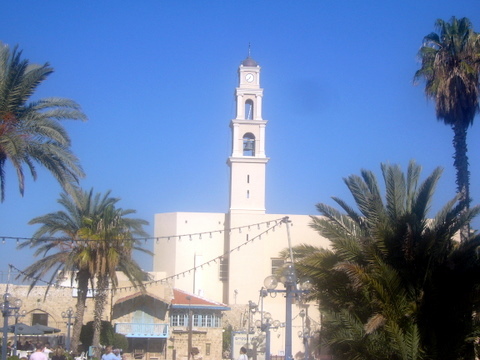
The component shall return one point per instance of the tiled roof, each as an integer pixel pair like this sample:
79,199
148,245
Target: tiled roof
182,299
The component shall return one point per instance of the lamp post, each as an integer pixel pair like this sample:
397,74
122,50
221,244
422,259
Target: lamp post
8,307
252,308
265,324
69,316
17,314
289,279
304,334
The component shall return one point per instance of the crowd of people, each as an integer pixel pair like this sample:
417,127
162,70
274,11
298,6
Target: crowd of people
39,351
42,351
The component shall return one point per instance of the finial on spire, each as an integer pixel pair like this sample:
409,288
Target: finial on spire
249,61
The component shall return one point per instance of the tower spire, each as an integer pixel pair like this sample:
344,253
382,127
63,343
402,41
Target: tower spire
248,160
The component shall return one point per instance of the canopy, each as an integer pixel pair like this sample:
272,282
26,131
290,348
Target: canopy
46,329
24,329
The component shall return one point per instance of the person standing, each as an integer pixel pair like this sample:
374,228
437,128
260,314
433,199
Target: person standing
109,355
38,354
59,354
243,354
47,349
116,352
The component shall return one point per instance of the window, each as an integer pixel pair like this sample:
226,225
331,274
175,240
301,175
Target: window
142,317
179,319
223,269
277,263
207,348
207,320
248,144
249,110
41,319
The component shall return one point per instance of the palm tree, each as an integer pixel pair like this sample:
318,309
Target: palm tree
394,284
30,132
450,67
112,249
74,256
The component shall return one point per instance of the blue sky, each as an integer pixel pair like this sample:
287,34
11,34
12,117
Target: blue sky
156,79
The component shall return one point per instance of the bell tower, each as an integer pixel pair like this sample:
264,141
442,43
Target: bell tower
248,161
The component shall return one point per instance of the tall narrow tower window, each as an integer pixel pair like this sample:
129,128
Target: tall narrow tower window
249,110
248,144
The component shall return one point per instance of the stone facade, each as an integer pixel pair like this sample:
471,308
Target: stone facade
122,307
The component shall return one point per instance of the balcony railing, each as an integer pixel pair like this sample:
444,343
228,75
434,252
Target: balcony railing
143,330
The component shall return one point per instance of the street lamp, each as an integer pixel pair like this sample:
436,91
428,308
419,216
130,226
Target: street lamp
289,279
252,308
17,314
8,307
69,315
305,334
265,324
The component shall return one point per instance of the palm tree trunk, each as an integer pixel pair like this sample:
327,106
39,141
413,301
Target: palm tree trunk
463,175
82,278
100,300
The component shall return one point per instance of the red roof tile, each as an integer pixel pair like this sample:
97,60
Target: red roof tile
181,297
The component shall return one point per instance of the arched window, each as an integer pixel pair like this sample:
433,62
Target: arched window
248,144
249,109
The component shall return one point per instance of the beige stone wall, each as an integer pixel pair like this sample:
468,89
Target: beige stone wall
53,303
59,299
202,338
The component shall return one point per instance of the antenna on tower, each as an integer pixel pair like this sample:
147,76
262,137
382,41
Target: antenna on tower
248,49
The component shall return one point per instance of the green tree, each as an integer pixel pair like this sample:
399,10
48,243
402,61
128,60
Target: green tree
120,341
74,252
394,284
71,255
450,61
30,132
114,234
106,337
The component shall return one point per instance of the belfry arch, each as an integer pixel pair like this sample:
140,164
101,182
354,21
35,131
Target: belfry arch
249,109
248,144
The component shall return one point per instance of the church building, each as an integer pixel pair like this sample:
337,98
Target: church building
226,256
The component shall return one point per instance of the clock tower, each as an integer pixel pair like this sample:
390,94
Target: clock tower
248,161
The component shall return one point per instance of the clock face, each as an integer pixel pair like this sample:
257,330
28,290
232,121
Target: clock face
249,77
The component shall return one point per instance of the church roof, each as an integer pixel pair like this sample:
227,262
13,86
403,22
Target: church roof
249,62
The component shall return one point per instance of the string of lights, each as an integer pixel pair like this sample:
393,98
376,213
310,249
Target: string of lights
276,223
191,236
